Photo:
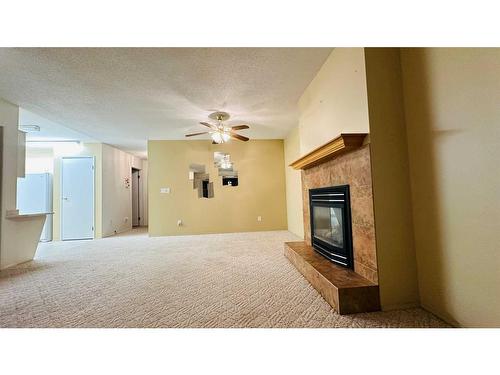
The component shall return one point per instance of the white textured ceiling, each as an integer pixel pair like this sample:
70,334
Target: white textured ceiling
49,130
125,96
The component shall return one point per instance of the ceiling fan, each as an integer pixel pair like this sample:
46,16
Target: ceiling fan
220,133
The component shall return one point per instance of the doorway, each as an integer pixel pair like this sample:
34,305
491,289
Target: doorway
136,197
77,198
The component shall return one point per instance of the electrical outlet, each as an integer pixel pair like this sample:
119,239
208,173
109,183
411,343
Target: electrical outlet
179,223
259,218
125,219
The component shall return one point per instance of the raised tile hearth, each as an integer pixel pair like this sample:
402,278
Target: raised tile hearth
345,290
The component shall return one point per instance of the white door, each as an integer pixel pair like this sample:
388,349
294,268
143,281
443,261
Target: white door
77,198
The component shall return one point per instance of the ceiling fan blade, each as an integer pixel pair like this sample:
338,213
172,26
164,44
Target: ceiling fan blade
193,134
237,136
240,127
213,127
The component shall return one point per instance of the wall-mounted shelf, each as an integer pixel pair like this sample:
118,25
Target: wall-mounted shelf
341,144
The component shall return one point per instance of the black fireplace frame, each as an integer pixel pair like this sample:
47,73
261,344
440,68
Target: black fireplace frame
333,196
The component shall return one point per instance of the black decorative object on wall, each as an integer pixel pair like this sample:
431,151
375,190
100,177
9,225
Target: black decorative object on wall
230,181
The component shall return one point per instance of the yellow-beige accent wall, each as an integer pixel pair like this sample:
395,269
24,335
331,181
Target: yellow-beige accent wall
452,102
397,265
261,190
295,217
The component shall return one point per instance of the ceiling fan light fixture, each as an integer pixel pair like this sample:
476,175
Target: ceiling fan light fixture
220,137
220,133
217,137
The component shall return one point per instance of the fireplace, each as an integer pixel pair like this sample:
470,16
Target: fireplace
331,233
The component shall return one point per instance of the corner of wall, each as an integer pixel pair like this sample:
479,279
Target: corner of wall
14,247
293,184
396,256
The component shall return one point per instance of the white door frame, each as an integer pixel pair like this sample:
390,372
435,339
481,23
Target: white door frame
62,193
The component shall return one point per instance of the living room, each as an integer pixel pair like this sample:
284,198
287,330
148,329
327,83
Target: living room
250,187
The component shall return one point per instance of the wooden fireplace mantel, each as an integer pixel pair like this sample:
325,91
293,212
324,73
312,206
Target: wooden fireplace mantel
343,143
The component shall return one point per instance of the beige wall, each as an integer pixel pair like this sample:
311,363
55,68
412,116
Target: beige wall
391,182
335,101
116,197
39,160
19,238
293,185
261,190
113,201
452,106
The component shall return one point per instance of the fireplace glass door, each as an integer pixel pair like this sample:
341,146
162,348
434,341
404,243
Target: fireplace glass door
331,234
328,225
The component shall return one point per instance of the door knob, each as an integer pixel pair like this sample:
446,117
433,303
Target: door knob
65,198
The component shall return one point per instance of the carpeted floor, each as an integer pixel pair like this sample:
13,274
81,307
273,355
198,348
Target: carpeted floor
131,280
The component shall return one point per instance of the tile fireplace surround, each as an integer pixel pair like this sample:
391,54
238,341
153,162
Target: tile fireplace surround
353,169
346,166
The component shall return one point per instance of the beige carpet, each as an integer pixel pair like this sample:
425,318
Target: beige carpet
131,280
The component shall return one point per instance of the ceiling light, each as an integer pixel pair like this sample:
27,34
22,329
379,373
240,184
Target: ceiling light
220,136
219,132
217,137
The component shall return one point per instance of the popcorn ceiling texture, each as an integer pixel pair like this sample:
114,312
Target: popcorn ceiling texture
217,280
125,96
